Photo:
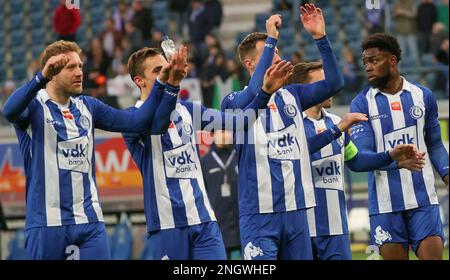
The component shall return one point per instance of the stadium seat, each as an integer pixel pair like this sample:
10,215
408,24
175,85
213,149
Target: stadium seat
113,3
427,59
97,15
54,3
16,21
322,3
287,18
16,6
287,36
260,20
36,50
96,29
355,46
240,36
328,14
16,246
162,25
18,37
38,36
159,9
332,32
305,37
36,19
311,52
36,5
347,13
121,240
414,78
288,50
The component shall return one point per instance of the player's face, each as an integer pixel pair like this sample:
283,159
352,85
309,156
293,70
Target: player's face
70,79
319,75
378,66
153,66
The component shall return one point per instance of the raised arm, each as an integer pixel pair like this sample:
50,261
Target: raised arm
274,79
436,150
141,119
15,109
244,98
315,93
176,71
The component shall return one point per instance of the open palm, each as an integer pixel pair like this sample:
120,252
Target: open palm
312,20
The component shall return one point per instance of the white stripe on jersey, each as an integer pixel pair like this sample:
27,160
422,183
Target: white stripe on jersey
334,213
262,165
287,168
77,177
305,161
52,191
187,191
198,173
161,190
398,121
428,175
310,213
381,179
93,188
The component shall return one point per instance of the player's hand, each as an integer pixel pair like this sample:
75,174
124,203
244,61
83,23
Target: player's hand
404,152
350,119
276,76
446,180
178,70
175,70
414,164
54,65
312,20
273,25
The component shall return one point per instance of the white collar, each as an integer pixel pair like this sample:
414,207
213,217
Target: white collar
138,103
406,86
324,115
43,94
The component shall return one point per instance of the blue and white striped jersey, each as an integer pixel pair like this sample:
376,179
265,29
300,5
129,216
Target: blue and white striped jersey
57,146
401,118
274,164
329,217
174,191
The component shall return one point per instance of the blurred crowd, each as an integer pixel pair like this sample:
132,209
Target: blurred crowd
420,26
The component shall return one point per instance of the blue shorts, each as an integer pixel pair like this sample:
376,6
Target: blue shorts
332,247
276,236
408,227
72,242
197,242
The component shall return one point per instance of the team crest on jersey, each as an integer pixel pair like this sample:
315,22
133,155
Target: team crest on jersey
381,236
416,112
84,122
340,141
187,129
251,251
290,110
